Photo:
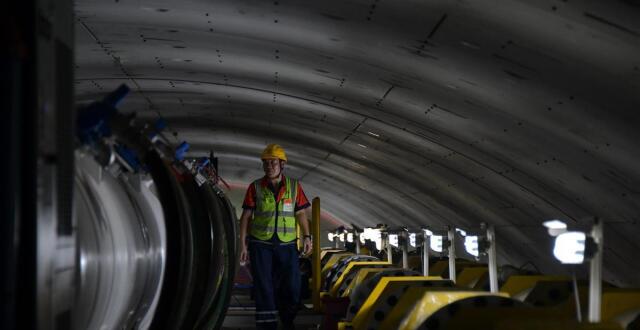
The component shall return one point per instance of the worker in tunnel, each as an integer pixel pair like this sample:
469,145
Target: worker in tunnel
271,208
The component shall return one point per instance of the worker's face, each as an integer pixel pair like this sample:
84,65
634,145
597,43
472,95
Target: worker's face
272,167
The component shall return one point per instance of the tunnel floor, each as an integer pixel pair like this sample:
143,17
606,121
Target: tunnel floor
241,313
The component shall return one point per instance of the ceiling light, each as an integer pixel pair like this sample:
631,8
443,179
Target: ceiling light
362,145
374,134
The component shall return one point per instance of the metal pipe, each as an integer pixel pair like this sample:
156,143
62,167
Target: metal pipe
576,296
451,233
315,232
493,264
336,240
595,276
405,250
426,241
389,250
356,241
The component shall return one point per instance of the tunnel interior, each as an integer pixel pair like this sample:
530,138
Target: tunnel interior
406,113
133,129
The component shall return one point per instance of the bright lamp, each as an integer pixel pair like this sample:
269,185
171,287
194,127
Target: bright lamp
569,247
436,243
471,245
373,235
393,240
412,239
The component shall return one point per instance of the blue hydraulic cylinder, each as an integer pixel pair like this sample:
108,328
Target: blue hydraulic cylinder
181,150
93,121
129,156
158,127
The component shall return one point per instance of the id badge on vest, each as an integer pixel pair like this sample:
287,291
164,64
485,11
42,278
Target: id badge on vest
287,205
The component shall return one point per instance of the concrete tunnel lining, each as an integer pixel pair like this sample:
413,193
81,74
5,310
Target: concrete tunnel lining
489,116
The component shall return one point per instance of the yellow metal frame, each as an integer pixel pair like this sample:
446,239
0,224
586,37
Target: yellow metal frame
432,301
522,317
617,302
438,268
363,275
518,284
441,266
470,276
334,289
315,266
344,325
334,259
403,307
324,251
385,283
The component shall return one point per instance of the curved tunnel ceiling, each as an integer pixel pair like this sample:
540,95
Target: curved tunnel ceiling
400,112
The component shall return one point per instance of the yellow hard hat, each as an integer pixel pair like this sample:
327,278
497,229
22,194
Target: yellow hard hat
273,151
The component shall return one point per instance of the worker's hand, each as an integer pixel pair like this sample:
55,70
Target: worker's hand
244,254
307,246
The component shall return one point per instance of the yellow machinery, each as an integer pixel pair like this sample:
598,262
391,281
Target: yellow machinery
404,303
620,305
463,310
441,267
519,286
393,288
473,278
362,275
316,279
326,253
341,283
431,302
478,310
334,259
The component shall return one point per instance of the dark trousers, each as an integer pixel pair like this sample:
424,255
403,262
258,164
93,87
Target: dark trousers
276,283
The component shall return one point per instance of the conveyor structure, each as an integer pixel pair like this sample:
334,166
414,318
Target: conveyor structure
364,292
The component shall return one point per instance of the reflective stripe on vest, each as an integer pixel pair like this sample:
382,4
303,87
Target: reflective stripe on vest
264,221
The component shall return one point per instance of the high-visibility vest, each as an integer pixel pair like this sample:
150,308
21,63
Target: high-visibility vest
264,217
